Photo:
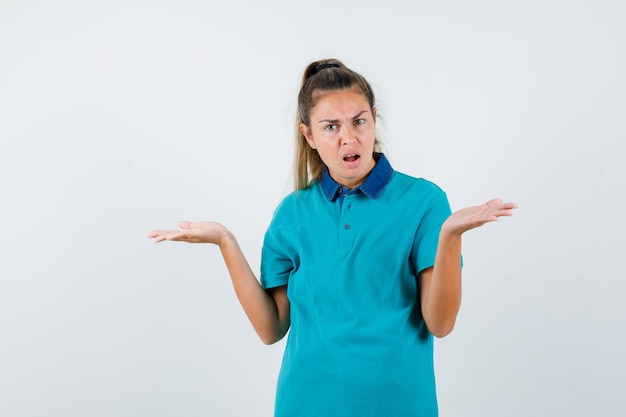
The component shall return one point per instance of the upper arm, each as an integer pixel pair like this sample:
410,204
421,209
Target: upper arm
424,280
281,301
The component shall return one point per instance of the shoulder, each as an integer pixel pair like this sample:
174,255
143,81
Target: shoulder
400,181
426,200
297,200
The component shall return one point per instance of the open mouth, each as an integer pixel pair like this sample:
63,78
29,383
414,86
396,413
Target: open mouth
351,158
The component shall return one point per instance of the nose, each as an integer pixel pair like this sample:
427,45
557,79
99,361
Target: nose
348,137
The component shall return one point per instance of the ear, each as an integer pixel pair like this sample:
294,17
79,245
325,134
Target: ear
374,111
307,135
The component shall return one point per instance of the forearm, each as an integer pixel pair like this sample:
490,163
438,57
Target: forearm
269,321
443,295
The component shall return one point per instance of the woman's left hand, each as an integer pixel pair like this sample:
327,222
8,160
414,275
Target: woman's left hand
472,217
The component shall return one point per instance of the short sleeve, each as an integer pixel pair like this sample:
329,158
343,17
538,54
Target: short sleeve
435,211
276,262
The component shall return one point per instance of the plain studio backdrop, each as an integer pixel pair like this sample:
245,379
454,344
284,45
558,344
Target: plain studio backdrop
117,118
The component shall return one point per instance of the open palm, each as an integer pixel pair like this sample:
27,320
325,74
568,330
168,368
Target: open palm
192,232
471,217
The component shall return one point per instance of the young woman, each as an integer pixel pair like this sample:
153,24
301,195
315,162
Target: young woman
361,263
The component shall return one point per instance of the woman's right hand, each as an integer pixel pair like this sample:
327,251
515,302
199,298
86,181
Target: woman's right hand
268,311
192,232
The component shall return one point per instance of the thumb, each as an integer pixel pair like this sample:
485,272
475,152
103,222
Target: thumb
185,224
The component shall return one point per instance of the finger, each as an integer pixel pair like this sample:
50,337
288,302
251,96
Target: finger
499,208
157,236
507,208
185,224
493,202
178,237
504,212
500,204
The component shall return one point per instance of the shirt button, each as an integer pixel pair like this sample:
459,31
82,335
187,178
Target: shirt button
346,226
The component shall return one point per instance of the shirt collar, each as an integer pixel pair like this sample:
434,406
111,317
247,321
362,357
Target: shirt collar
371,187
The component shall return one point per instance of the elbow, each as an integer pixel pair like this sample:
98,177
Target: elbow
440,324
269,338
441,330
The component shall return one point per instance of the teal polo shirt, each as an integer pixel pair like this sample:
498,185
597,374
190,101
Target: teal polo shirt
357,345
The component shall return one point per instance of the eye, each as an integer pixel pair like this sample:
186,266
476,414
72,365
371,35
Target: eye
330,127
359,121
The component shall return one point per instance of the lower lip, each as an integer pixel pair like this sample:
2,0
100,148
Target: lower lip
352,164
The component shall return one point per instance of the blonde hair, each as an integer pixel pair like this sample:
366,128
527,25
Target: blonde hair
321,77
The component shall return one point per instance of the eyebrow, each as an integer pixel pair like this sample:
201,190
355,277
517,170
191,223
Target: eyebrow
338,120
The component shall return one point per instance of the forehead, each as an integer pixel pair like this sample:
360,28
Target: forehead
345,103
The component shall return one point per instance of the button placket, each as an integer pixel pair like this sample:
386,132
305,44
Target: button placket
346,235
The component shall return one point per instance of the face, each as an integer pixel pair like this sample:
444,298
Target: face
343,131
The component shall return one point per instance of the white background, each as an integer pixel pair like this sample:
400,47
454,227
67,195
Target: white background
120,117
